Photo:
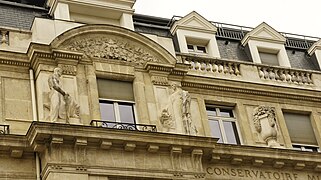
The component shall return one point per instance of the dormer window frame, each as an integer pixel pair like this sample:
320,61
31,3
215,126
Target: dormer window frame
193,29
194,48
267,38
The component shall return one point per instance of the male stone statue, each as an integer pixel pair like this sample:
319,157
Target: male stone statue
61,104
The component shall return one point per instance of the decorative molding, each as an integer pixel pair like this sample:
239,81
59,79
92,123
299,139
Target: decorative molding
238,90
176,153
159,80
109,48
197,155
4,37
68,69
66,55
15,63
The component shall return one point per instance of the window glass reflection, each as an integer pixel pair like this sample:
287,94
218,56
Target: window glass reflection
107,111
126,113
215,130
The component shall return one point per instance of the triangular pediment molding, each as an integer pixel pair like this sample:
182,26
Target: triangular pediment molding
314,47
264,32
106,42
194,22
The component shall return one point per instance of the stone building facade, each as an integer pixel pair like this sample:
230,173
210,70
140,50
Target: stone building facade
92,91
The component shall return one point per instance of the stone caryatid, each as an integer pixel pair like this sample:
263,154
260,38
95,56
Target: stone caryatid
265,124
62,106
181,102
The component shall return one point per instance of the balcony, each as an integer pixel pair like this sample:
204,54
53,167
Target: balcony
126,126
4,129
225,75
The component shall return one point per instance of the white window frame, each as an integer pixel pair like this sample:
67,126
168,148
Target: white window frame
305,147
195,50
220,120
116,108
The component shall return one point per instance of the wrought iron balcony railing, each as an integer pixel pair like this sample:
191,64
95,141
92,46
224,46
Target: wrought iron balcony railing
127,126
4,129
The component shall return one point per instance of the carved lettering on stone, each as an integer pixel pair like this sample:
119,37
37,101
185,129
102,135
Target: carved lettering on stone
265,124
108,48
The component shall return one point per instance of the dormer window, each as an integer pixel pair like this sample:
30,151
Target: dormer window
195,35
266,46
196,48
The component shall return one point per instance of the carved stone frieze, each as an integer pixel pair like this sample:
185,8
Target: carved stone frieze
112,48
159,80
68,69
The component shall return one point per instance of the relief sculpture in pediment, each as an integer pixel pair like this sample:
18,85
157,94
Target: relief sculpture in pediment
111,48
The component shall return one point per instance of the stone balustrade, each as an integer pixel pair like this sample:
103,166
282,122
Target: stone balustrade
213,65
4,37
285,75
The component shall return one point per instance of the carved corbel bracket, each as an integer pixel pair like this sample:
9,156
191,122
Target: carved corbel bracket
67,61
197,155
159,73
179,71
176,153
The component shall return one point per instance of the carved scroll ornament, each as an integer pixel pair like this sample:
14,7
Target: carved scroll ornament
108,48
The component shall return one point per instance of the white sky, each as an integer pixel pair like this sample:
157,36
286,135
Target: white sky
290,16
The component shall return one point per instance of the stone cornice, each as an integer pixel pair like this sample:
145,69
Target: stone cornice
40,132
247,90
41,135
248,155
14,59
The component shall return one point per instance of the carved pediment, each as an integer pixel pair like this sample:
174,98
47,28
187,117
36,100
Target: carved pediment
264,32
107,42
314,47
194,22
112,48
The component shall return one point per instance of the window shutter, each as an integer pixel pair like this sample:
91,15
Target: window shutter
116,90
300,128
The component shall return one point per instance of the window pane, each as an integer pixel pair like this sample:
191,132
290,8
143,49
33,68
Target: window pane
226,113
107,111
269,58
126,113
215,130
300,128
201,49
190,47
231,132
211,111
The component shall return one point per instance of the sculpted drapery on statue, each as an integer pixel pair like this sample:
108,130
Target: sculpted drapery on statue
62,106
181,101
264,119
